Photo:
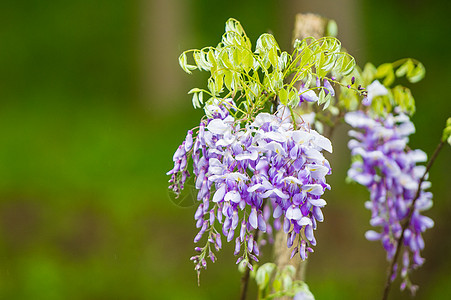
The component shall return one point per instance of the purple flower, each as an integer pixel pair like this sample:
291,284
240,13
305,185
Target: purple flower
246,173
388,168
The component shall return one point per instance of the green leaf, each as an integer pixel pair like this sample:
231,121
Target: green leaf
306,56
276,285
263,275
183,63
224,61
293,97
319,65
405,68
273,58
383,70
228,79
195,101
348,64
277,80
212,86
332,28
368,74
287,281
219,81
201,97
416,74
194,90
321,97
386,70
290,270
327,102
247,60
404,99
447,132
389,79
283,96
284,59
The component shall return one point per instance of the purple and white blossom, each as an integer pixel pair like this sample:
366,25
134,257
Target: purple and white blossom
388,168
247,173
374,89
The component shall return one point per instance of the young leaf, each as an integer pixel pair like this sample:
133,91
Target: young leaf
368,74
348,65
322,97
293,97
383,70
283,96
183,63
416,74
405,68
263,275
195,100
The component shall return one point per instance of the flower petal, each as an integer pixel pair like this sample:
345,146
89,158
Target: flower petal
314,189
217,126
317,202
233,196
219,194
293,213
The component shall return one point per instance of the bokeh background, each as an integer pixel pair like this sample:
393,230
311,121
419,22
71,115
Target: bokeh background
93,104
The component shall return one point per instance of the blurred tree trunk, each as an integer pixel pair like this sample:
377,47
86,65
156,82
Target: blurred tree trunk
306,25
347,14
163,29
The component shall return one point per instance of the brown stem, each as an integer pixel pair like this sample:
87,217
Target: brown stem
244,284
388,281
306,25
245,278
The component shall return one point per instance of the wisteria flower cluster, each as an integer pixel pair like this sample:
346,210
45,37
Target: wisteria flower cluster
388,168
247,170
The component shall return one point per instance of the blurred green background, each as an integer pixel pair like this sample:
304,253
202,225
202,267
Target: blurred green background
93,104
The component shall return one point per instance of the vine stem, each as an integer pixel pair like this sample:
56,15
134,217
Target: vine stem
388,281
245,278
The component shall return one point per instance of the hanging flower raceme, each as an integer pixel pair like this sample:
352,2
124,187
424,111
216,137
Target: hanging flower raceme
246,172
388,168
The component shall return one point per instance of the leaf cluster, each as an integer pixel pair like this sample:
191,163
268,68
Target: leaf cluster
274,283
265,75
397,96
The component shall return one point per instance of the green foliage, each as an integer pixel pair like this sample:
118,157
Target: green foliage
396,96
255,77
413,70
274,283
447,132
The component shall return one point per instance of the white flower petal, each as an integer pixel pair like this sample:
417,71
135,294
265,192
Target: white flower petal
317,202
276,147
293,213
318,171
304,221
292,180
263,118
275,136
219,194
322,141
217,126
233,196
314,189
301,136
255,187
